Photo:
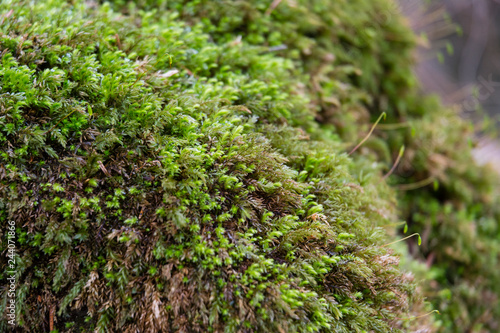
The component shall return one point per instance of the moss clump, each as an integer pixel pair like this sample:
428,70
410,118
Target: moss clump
160,181
357,56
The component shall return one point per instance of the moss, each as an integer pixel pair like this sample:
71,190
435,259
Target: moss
357,56
160,181
165,174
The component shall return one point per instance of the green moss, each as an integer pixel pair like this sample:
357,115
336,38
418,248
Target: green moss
165,174
160,181
357,56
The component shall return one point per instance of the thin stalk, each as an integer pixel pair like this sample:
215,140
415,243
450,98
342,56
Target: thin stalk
392,224
66,116
370,133
389,127
414,186
400,240
401,152
416,317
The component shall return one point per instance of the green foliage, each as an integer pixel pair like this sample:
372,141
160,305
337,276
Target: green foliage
162,182
183,166
357,57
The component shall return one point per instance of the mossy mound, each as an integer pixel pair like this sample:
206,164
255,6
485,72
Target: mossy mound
357,57
182,166
159,181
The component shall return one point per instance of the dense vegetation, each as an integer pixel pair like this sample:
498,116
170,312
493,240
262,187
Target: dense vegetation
184,167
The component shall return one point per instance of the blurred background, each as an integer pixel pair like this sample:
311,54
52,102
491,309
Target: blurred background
459,59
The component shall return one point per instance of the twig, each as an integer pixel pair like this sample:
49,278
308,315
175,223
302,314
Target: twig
103,168
51,317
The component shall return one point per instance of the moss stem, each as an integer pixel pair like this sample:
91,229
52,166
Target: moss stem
369,133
